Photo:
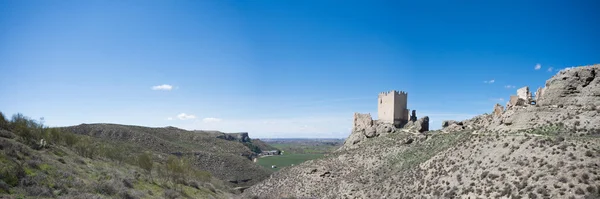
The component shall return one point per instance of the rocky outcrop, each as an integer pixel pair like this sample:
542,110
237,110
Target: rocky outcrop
240,137
577,87
365,127
361,123
421,125
498,110
447,123
570,99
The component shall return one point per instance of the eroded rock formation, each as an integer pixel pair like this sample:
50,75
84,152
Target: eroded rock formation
570,99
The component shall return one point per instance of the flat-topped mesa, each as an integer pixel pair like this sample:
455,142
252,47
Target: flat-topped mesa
391,108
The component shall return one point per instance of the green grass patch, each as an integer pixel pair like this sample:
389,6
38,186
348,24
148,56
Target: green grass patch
286,160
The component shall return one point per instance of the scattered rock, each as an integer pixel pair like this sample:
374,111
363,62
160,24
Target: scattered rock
498,110
371,132
447,123
422,124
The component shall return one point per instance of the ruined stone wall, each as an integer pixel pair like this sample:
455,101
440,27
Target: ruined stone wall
391,107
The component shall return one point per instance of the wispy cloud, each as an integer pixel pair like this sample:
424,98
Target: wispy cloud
211,119
509,86
169,118
538,66
550,69
497,99
183,116
566,69
164,87
489,81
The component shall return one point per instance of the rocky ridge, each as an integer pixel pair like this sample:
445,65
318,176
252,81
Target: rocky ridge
570,99
547,150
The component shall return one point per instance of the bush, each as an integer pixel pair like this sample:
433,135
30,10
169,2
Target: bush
171,194
86,148
11,173
3,122
145,162
4,188
176,169
106,188
70,139
54,135
112,152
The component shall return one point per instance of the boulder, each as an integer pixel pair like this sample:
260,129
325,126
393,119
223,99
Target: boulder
371,132
498,110
454,127
447,123
422,124
515,101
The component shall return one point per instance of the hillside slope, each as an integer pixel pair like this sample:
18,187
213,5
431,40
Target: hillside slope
228,160
549,150
41,162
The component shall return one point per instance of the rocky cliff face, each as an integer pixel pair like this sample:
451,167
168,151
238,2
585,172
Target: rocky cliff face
365,127
573,88
549,150
570,99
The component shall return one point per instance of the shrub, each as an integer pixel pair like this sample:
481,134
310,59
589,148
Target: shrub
112,152
86,148
128,183
106,188
11,173
176,168
562,179
70,139
3,122
589,154
4,188
171,194
54,135
145,162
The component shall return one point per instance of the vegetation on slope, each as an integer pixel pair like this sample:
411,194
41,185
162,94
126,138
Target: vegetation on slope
37,161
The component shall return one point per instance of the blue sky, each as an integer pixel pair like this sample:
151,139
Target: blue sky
279,68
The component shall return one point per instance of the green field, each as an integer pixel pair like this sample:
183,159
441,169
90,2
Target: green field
285,160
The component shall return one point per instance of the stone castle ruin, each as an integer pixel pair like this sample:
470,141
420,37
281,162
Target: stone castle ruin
391,108
392,114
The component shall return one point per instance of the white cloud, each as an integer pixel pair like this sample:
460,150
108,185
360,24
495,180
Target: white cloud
211,119
538,66
183,116
509,86
165,87
497,99
550,69
489,82
169,118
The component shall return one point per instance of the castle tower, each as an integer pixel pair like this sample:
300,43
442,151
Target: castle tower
391,107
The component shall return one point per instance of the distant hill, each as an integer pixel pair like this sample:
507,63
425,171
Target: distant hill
228,160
